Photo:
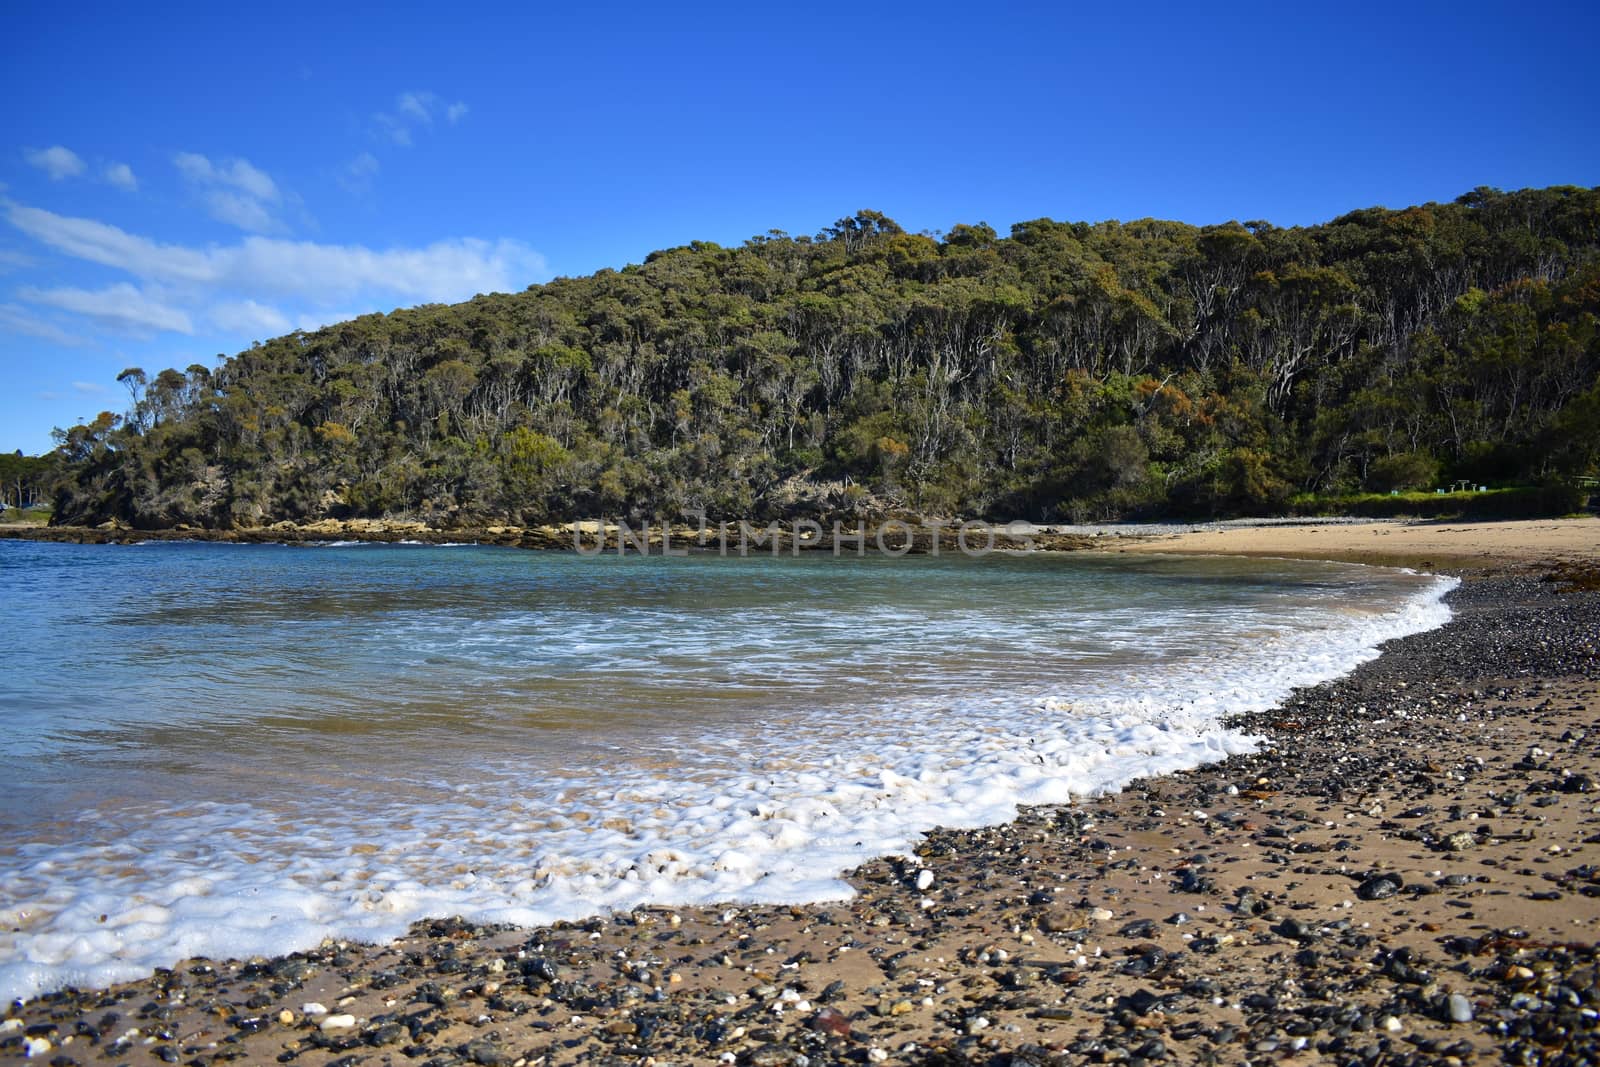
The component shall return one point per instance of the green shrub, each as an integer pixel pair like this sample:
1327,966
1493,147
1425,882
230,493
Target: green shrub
1403,470
1521,502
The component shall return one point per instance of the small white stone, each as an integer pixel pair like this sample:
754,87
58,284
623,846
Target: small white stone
924,880
876,1055
338,1022
1391,1024
313,1008
35,1046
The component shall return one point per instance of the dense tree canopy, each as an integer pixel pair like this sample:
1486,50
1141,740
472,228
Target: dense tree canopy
1068,370
25,480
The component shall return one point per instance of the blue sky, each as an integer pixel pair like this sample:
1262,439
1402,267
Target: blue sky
178,181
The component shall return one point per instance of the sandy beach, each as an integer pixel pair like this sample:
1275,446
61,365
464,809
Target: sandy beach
1442,546
1408,871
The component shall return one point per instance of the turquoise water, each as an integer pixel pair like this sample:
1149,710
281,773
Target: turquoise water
236,749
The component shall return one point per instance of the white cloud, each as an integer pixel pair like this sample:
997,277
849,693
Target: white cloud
418,106
242,211
17,319
395,130
249,317
89,388
11,259
413,110
235,191
56,161
122,308
237,173
109,246
318,320
120,175
253,288
357,175
443,271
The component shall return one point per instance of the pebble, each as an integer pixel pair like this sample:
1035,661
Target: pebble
487,1053
1346,988
831,1021
1066,920
1379,887
775,1055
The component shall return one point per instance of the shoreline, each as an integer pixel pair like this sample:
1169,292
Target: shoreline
1458,546
994,945
1508,546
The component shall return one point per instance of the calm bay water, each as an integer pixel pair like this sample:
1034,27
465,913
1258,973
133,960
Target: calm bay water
225,750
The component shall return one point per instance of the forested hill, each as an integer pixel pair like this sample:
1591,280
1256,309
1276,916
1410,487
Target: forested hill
1070,370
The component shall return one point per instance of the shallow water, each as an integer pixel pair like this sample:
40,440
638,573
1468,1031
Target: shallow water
226,750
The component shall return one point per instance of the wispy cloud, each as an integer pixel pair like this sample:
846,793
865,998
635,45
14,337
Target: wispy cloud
235,191
109,246
17,319
416,106
12,259
416,109
88,388
393,130
445,270
120,175
257,287
318,319
237,209
235,173
121,308
249,317
57,161
357,175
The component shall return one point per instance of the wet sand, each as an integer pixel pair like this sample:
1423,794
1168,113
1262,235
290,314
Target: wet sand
1406,873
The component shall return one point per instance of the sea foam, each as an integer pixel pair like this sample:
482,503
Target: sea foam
755,820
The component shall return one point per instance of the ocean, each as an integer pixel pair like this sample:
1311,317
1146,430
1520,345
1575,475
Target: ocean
238,750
